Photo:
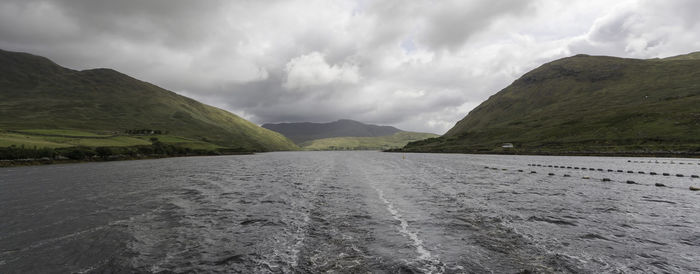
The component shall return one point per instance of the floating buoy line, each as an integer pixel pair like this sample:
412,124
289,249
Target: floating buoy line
692,176
619,170
662,162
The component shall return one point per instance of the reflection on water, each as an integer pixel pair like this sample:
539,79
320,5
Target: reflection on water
352,212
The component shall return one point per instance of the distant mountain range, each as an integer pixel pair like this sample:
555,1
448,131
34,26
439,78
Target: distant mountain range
346,135
40,97
587,104
302,132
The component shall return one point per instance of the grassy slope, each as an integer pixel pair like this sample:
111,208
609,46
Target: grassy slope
71,138
38,94
395,140
587,103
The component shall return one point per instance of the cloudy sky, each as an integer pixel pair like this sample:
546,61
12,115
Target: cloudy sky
419,65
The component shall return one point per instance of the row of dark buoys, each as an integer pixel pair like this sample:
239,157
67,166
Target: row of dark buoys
610,170
692,188
662,162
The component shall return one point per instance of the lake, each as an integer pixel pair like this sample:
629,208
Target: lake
352,212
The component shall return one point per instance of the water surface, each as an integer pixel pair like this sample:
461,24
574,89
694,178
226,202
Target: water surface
352,212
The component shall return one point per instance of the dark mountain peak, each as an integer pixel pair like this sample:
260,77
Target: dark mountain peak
689,56
20,66
580,67
306,131
103,71
347,121
105,76
23,58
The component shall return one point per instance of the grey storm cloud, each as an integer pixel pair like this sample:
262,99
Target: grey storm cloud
418,65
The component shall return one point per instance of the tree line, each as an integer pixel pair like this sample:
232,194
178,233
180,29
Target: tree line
145,131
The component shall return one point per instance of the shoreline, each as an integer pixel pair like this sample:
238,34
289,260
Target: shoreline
46,161
570,153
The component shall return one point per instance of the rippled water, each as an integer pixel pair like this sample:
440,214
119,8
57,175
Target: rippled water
352,212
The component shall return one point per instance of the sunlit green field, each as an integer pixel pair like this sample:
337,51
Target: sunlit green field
55,138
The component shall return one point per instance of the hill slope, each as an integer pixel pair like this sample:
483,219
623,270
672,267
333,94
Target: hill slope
35,93
587,104
302,132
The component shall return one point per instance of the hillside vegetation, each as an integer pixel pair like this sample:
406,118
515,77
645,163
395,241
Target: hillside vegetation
587,104
42,104
395,140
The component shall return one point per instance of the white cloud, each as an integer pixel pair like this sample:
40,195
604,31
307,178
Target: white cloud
419,65
643,29
312,70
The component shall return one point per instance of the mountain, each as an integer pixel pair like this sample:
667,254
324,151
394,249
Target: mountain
346,135
37,94
584,104
396,140
302,132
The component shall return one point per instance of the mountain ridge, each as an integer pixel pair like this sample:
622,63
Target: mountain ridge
586,103
307,131
40,94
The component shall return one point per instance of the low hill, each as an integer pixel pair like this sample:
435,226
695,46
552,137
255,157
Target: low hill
302,132
396,140
37,94
587,104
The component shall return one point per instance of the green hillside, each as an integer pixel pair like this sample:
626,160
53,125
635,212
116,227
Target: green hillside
587,104
395,140
37,96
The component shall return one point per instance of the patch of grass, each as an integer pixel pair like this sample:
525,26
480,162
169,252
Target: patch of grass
63,132
54,141
182,142
116,141
15,139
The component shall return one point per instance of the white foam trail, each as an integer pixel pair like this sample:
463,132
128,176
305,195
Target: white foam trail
302,229
301,232
292,244
417,242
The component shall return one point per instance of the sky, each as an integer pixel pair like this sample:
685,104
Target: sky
419,65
